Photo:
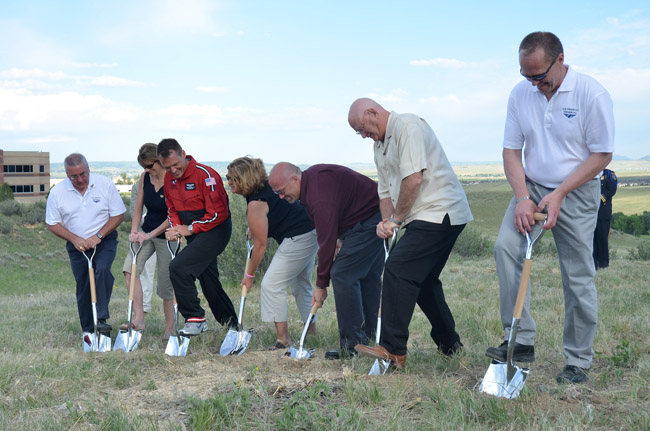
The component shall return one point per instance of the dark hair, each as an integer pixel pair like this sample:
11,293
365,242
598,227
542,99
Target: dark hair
546,40
166,146
147,154
75,159
249,173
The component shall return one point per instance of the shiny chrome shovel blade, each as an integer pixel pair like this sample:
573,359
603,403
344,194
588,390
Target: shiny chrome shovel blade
127,340
93,342
229,343
299,353
177,345
243,338
380,367
496,380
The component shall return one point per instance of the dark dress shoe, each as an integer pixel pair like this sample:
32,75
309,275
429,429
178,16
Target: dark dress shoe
334,354
380,352
104,328
521,353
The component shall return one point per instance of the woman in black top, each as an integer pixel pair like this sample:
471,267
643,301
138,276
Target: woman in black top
292,266
152,234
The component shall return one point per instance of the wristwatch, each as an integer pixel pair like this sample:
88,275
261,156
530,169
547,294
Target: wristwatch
190,228
394,220
100,236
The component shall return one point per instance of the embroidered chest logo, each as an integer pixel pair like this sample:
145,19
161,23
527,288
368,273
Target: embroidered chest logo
96,199
190,186
569,112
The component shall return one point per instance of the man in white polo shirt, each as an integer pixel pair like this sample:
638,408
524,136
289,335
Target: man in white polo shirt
85,209
419,191
564,123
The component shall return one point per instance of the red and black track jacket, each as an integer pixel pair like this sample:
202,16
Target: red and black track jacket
198,198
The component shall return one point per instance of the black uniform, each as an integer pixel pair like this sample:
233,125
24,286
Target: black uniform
608,184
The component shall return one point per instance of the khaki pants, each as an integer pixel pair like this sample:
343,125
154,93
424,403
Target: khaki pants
573,235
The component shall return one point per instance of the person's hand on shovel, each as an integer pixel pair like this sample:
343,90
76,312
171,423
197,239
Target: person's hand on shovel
176,232
138,237
319,296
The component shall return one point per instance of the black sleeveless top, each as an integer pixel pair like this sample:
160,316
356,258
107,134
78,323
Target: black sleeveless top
285,220
156,206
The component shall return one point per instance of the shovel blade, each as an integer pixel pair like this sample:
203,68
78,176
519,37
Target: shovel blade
300,353
229,343
243,338
496,380
176,348
93,342
127,340
379,368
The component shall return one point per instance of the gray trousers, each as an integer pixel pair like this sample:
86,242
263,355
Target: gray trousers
573,235
292,266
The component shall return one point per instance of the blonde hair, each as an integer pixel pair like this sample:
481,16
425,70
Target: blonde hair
248,173
147,154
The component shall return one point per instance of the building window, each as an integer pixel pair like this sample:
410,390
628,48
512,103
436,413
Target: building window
18,168
22,189
42,188
41,168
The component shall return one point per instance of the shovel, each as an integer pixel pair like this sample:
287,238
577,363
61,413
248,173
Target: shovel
177,344
380,366
301,352
236,341
506,380
94,342
128,340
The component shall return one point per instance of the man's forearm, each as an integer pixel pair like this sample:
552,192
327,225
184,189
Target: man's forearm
587,170
111,224
514,170
408,192
62,232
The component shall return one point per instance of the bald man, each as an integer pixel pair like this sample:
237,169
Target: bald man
343,206
420,194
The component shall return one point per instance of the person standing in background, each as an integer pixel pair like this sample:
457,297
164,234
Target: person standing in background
608,186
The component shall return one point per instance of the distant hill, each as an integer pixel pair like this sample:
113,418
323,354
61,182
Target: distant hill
620,157
646,158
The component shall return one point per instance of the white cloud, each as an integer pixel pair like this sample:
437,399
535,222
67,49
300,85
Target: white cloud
17,73
184,116
113,81
207,89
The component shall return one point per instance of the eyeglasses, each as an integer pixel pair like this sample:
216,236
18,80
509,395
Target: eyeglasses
540,76
283,192
84,174
149,166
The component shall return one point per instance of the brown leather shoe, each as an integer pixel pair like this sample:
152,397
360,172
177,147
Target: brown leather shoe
380,352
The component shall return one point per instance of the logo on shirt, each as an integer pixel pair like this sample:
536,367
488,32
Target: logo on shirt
569,112
96,199
190,186
210,182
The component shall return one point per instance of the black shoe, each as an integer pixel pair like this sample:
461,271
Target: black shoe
451,351
334,354
104,328
572,374
522,353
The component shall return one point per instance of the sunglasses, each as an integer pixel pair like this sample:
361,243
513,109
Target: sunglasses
150,165
541,75
233,178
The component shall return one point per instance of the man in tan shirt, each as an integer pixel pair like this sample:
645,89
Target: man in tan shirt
419,193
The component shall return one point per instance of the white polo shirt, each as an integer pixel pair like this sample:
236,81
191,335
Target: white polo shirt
84,215
559,134
410,146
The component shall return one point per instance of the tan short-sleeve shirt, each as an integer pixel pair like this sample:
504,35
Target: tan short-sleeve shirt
411,146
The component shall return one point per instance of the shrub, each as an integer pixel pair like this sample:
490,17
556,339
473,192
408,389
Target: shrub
6,194
6,225
471,243
642,251
9,208
33,213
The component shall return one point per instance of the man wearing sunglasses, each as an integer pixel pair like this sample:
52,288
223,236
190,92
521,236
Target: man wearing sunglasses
562,122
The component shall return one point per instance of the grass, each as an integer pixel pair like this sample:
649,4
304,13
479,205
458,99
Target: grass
47,382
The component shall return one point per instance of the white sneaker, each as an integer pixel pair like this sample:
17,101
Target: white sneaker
193,328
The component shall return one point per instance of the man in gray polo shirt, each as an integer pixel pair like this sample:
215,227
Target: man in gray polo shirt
420,193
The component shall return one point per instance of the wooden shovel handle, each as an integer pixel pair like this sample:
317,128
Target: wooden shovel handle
134,268
244,291
539,216
93,292
314,308
523,288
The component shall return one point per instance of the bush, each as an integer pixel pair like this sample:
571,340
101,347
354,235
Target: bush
642,251
633,224
6,225
6,194
9,208
33,213
471,243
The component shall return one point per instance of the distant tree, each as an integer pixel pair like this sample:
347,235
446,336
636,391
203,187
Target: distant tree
632,224
6,194
125,179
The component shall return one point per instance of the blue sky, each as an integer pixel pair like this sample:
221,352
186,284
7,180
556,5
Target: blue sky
275,79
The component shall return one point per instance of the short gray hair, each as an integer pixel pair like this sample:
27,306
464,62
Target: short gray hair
75,159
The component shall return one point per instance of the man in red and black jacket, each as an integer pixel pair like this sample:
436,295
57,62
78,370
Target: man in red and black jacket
198,210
